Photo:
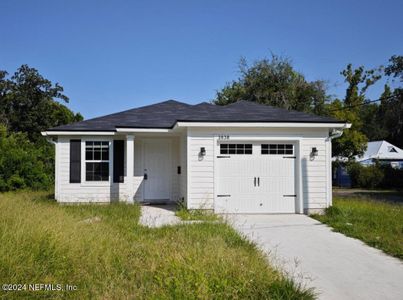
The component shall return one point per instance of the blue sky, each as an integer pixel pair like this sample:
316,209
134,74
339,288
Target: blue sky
114,55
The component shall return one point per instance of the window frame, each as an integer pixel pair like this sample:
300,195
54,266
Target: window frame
236,148
84,162
277,149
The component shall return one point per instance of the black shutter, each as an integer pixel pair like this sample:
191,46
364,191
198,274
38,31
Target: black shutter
75,161
118,161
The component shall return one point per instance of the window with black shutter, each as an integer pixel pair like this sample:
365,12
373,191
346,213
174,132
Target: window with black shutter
75,161
96,161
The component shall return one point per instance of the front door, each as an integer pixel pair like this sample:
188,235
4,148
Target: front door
157,168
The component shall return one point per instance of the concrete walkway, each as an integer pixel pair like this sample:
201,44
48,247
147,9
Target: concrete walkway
337,266
158,215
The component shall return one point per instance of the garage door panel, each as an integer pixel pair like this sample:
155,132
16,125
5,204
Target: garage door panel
237,204
255,183
234,185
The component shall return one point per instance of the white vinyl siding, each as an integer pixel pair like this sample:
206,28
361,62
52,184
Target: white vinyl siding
315,182
84,191
108,191
200,169
196,183
314,174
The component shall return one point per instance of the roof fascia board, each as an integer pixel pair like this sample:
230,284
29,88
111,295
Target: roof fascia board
158,130
51,133
263,124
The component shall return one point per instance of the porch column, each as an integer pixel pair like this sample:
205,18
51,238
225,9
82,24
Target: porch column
130,167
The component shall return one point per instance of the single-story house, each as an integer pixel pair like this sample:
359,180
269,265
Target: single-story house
382,152
240,158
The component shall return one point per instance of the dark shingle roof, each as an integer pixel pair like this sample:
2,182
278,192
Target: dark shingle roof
166,114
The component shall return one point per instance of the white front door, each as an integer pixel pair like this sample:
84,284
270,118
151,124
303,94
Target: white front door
259,180
157,169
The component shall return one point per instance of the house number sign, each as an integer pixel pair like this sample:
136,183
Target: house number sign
223,137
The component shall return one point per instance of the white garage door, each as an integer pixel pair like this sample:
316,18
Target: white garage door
255,178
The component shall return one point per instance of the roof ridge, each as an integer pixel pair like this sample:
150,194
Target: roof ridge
278,108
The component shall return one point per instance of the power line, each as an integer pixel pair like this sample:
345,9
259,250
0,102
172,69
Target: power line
365,103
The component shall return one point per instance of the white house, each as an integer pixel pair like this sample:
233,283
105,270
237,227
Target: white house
240,158
384,153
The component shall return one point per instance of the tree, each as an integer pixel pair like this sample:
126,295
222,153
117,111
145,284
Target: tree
274,82
28,103
395,67
22,163
392,103
353,141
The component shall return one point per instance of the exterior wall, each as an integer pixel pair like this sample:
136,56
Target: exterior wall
315,182
108,191
314,171
195,184
84,191
200,169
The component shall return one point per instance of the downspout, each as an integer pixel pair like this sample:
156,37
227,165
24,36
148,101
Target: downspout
335,134
51,140
48,138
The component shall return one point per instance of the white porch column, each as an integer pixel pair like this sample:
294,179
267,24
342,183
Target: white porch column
130,167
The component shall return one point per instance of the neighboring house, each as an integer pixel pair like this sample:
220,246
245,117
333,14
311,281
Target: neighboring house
380,152
240,158
383,152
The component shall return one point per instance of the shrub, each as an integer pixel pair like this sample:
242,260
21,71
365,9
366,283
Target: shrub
22,163
365,176
393,177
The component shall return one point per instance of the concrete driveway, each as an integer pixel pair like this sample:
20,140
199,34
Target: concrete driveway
337,266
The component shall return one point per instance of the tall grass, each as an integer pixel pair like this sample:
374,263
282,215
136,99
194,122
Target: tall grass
378,224
107,255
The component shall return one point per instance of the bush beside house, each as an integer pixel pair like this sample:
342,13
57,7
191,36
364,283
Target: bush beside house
365,176
24,164
373,176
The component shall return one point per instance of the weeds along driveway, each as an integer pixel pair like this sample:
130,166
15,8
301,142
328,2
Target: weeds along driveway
338,267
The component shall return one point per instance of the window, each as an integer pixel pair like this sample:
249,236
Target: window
235,148
96,161
274,149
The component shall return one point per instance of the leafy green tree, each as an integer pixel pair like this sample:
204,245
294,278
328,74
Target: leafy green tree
28,103
22,163
395,67
353,141
274,82
392,103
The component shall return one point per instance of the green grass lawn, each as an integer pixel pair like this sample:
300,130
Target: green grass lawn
196,214
104,252
378,224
